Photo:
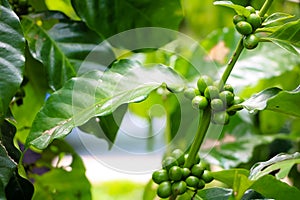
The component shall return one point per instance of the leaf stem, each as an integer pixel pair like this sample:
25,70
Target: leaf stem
201,132
231,63
265,7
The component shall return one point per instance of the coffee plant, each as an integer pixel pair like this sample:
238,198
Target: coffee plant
230,97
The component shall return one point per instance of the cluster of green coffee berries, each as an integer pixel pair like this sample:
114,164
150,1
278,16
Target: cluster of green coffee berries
21,7
175,179
207,94
246,25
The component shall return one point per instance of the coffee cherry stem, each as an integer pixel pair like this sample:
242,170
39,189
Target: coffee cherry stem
231,63
201,132
265,7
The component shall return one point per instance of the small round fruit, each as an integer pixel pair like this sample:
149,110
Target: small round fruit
179,187
217,104
244,28
250,41
228,87
160,176
255,20
250,9
164,189
227,97
179,156
199,102
237,100
211,92
220,118
189,93
197,170
175,173
185,172
169,162
203,82
238,18
192,181
207,176
201,184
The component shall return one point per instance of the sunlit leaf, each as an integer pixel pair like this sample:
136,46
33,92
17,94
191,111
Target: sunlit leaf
276,18
287,37
12,46
276,100
214,194
241,10
63,6
97,94
281,162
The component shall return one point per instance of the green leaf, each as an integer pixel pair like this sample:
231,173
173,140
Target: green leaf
231,154
228,176
12,185
19,188
281,162
66,179
62,45
12,46
97,94
287,37
241,10
276,19
275,99
109,17
105,127
64,6
214,194
272,188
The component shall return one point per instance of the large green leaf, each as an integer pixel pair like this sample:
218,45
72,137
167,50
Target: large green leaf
272,188
228,176
61,45
97,94
287,37
66,179
214,194
109,17
12,186
241,10
275,99
281,162
12,46
63,6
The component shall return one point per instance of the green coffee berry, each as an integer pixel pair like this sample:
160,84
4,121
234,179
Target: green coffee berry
238,18
217,104
203,82
255,20
160,176
164,189
192,181
211,92
197,170
250,9
227,97
228,87
169,162
207,176
179,187
201,184
175,173
185,172
199,102
220,118
179,156
250,41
